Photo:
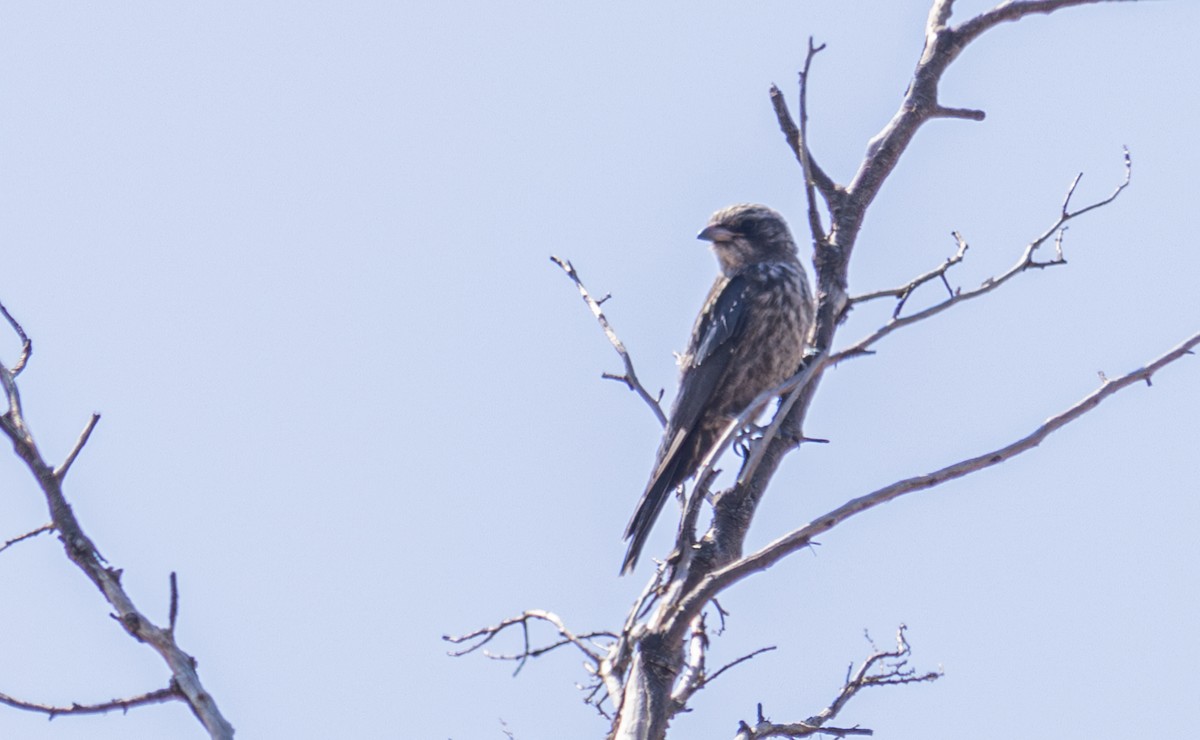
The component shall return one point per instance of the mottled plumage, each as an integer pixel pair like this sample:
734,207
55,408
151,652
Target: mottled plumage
749,336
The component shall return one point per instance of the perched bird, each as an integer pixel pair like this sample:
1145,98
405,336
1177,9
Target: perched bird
749,336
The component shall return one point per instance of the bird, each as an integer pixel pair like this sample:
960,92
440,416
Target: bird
750,336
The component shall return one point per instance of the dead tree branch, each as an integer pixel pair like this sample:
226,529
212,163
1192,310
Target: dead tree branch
630,378
1026,262
902,293
719,580
61,471
597,663
83,552
28,535
797,137
881,668
153,697
816,229
26,344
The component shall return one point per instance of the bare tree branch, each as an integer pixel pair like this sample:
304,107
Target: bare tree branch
28,535
902,293
599,662
943,44
738,661
83,552
1011,10
481,637
158,696
630,378
1026,262
816,229
881,668
695,676
26,344
61,471
173,609
831,191
721,579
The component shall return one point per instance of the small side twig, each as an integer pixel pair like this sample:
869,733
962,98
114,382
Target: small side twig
695,676
881,668
173,615
902,293
61,471
158,696
736,661
816,229
629,378
26,344
28,535
477,639
797,138
890,669
1027,261
1067,214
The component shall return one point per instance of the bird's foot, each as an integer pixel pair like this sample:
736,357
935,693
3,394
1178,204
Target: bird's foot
745,436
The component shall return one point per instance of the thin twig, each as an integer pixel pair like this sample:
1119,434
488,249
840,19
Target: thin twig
153,697
1068,215
173,614
61,471
481,637
732,663
894,672
903,292
1026,262
28,535
26,343
528,651
881,668
814,217
830,190
630,378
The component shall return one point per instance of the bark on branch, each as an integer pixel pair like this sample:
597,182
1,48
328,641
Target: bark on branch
81,550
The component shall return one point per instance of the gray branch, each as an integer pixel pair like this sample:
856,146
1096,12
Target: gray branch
83,552
800,538
630,378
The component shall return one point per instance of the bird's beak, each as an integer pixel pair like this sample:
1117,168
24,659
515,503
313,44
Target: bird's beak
715,233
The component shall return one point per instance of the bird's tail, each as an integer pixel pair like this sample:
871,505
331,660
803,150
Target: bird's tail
677,463
647,512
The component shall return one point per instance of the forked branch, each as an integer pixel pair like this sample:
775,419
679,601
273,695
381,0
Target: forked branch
1027,261
629,378
716,582
597,663
185,682
881,668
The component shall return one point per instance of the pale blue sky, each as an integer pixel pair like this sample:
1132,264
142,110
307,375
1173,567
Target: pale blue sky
296,254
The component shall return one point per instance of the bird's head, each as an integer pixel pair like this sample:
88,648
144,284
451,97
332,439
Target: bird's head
748,234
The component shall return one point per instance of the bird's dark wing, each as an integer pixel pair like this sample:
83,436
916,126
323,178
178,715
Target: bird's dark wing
716,335
686,441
